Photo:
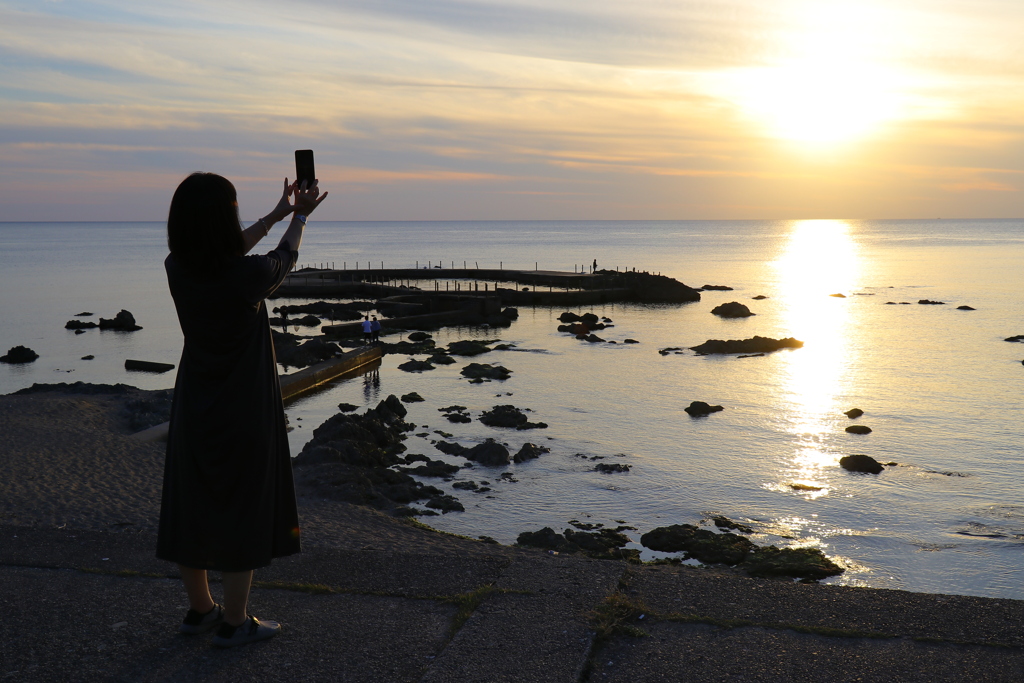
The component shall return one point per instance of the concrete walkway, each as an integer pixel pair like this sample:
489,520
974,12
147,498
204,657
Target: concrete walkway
98,606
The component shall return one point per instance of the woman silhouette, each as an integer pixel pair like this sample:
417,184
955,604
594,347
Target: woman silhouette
228,500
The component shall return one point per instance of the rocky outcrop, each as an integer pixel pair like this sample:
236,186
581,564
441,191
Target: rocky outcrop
752,345
80,325
858,429
331,311
122,322
611,467
467,347
700,409
304,321
853,413
927,302
305,354
858,462
509,416
965,307
479,372
19,354
603,544
530,451
716,288
489,453
412,397
418,336
350,458
413,365
733,309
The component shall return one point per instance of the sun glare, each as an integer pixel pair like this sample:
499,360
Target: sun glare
828,84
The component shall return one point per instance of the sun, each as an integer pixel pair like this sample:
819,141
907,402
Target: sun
831,79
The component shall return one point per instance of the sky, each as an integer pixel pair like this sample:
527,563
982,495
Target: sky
521,109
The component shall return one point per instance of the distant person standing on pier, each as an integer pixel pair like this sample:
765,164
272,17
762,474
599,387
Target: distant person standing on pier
374,330
228,501
594,267
367,329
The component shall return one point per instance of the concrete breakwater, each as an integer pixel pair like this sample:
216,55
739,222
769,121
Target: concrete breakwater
528,287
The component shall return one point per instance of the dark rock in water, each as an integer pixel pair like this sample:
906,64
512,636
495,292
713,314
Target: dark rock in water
84,314
752,355
89,357
432,468
80,325
441,359
504,416
413,365
304,321
328,310
418,336
859,462
391,403
611,468
450,448
350,457
122,322
733,309
510,313
445,503
79,331
759,297
465,485
716,288
489,453
726,523
858,429
752,345
458,418
965,307
838,296
307,353
147,366
452,409
605,544
589,319
700,408
592,338
1017,338
347,407
530,451
702,545
467,347
481,371
408,348
19,354
671,349
798,563
412,397
926,302
853,413
630,341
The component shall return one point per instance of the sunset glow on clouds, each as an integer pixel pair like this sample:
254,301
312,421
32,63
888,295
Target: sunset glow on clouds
473,109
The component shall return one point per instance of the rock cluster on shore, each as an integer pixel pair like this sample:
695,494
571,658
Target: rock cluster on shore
753,345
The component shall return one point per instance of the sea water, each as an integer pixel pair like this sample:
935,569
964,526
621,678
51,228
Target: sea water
938,385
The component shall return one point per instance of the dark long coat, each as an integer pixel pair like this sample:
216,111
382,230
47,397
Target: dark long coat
228,498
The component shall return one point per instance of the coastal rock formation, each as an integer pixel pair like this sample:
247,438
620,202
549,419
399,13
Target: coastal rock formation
418,336
709,547
716,288
858,462
430,468
965,307
611,467
304,321
700,408
589,319
752,345
19,354
413,365
603,544
509,416
412,397
331,311
510,312
456,414
853,413
481,371
858,429
1015,338
530,451
468,347
759,297
347,407
350,457
441,358
733,309
725,523
489,453
630,341
80,325
122,322
926,302
408,348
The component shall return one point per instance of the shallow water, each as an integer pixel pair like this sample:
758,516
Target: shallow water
937,385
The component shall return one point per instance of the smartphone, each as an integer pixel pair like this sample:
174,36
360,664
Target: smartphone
304,166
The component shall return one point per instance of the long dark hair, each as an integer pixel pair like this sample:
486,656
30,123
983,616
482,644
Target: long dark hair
203,230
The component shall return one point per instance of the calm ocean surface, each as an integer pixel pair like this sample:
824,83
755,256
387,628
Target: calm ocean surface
939,386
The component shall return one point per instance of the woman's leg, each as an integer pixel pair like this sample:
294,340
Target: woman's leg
197,588
236,596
